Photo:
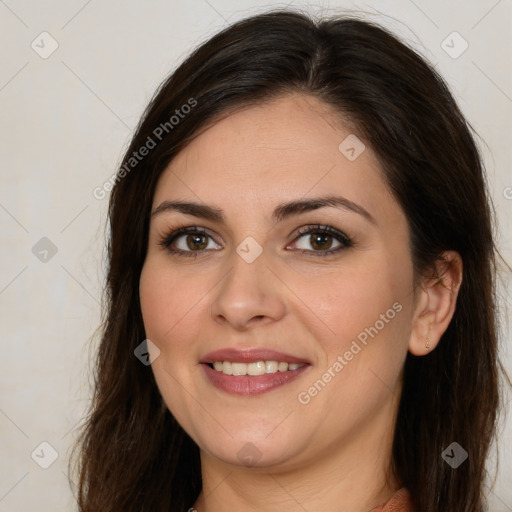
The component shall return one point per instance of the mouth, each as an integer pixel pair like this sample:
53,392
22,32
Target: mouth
251,372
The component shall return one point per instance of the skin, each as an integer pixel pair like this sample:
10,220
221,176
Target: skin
333,453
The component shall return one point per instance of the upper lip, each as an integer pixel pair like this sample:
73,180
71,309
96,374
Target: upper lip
250,355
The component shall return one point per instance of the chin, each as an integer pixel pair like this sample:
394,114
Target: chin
253,449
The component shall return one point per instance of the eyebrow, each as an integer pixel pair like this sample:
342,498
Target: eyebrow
280,213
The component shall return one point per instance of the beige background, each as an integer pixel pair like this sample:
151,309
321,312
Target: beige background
65,121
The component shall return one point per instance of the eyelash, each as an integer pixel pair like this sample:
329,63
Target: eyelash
341,237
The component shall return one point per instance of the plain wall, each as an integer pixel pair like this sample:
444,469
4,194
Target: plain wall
65,121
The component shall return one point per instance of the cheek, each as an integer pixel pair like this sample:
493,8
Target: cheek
167,299
170,305
176,308
352,300
367,314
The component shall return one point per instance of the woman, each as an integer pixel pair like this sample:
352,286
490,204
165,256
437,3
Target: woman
301,247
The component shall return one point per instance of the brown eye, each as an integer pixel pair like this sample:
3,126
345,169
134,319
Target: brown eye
189,241
321,240
197,242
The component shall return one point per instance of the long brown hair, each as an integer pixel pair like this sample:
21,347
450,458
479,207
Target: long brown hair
133,455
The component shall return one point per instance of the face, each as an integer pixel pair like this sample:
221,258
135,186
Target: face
326,285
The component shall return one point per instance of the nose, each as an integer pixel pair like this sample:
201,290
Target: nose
249,294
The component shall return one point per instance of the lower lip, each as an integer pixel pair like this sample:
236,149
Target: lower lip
251,385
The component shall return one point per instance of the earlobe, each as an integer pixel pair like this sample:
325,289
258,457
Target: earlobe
436,303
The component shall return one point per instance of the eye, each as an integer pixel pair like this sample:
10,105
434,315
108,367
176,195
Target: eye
315,240
188,241
321,240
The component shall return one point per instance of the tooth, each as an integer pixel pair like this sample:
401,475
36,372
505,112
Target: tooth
254,368
257,368
271,366
239,368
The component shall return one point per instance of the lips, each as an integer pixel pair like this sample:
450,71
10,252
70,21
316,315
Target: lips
250,355
249,385
232,381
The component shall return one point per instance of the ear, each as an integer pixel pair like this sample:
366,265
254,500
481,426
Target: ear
435,303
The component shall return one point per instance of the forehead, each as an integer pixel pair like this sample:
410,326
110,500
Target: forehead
284,149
